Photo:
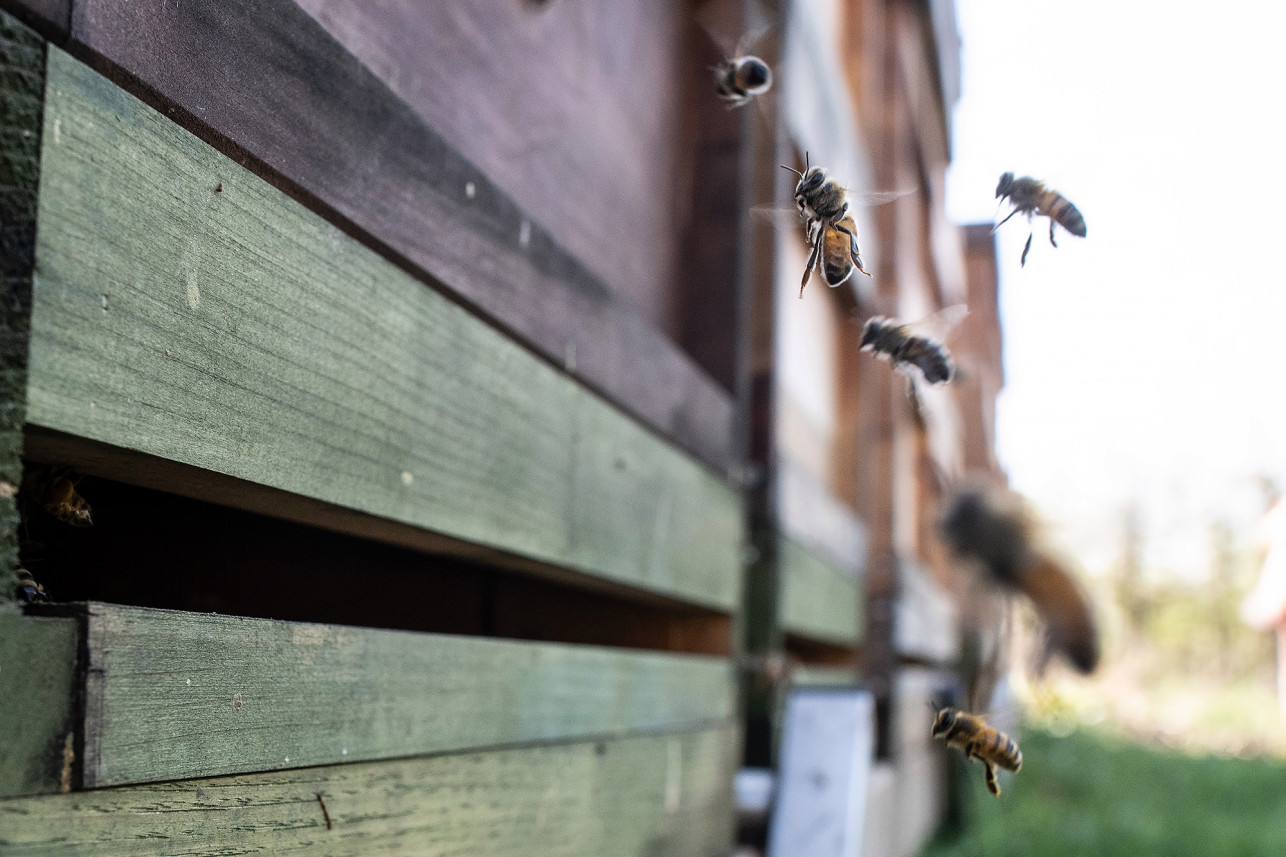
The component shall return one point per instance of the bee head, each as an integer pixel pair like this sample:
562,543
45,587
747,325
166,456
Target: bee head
870,331
942,724
1006,185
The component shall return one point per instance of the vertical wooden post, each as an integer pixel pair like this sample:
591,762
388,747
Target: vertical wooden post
762,637
22,90
879,406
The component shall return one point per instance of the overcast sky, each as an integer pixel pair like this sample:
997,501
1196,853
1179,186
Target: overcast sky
1145,362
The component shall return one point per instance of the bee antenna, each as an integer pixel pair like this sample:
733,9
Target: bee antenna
792,169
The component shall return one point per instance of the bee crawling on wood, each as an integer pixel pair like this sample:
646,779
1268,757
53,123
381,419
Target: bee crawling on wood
28,590
904,346
971,734
1031,198
54,490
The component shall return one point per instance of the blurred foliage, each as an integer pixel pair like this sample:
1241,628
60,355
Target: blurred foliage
1091,792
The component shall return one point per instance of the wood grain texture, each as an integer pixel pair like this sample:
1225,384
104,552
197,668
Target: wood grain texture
266,83
647,796
573,109
50,17
22,84
37,703
819,600
188,310
172,695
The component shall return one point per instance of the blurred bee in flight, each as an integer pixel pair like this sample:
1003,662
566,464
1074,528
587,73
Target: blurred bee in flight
906,346
741,77
971,734
991,526
1031,198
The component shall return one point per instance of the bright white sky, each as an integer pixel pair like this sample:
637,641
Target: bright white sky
1147,362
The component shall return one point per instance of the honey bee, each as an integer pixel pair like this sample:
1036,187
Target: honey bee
992,526
971,734
831,232
28,590
740,79
903,347
54,490
1031,197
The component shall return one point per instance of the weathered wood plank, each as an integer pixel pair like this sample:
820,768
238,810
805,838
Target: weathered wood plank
37,704
646,796
22,91
186,309
172,695
267,84
819,600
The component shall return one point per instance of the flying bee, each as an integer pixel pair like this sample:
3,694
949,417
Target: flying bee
971,734
904,347
739,79
28,590
829,228
992,526
54,490
1031,198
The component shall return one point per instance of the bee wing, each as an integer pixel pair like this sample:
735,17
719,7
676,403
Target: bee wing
879,197
778,213
719,27
940,324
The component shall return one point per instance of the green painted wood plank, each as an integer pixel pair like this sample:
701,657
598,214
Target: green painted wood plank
22,88
37,704
655,795
171,695
186,309
819,600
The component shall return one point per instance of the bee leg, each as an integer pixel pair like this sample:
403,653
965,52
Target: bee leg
992,785
1026,247
853,251
1002,223
1051,233
812,260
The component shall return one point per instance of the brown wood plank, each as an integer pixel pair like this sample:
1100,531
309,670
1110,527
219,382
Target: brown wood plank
38,704
267,84
573,112
646,796
187,310
173,695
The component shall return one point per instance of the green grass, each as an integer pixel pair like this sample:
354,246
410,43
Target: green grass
1091,793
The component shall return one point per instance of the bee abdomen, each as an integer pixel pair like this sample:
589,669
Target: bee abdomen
1068,216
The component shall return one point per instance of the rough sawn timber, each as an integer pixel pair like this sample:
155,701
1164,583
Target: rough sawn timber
186,309
172,695
652,795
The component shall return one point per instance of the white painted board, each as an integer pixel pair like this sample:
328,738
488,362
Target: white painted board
828,746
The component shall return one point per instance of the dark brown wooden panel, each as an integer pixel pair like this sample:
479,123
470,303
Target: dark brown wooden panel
270,86
50,17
